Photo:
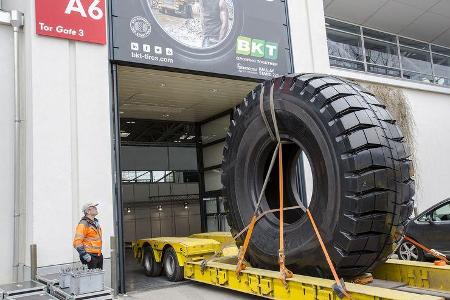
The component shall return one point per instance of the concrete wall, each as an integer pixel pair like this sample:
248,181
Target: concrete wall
67,142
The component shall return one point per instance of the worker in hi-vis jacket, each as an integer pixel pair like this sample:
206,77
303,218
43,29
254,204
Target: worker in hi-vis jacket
88,238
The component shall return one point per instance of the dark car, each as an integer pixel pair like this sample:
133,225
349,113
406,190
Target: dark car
432,229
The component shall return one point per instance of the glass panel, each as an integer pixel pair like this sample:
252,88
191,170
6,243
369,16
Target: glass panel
413,43
158,176
418,76
441,65
441,50
383,70
416,60
342,63
212,223
143,176
344,45
211,205
442,213
169,176
381,53
342,26
379,35
128,175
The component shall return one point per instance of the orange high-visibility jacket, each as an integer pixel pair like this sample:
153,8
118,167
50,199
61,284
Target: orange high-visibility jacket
88,237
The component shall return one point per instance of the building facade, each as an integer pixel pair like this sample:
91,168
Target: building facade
68,119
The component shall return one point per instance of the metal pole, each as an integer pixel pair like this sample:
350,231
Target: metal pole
113,266
118,183
16,23
33,258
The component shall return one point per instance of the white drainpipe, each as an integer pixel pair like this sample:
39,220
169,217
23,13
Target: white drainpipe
15,19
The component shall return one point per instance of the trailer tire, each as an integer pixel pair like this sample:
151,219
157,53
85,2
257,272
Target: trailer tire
174,272
362,193
151,266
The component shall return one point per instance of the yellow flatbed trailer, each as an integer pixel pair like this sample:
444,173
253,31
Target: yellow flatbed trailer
395,279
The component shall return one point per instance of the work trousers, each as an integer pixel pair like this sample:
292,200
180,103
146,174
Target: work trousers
95,263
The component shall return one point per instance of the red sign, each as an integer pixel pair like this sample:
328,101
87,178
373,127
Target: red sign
81,20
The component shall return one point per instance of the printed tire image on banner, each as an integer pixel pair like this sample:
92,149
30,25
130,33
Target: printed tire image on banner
246,38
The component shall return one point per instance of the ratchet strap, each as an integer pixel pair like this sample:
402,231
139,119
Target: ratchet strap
433,252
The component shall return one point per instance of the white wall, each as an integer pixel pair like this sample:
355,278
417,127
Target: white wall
432,133
308,36
6,151
67,159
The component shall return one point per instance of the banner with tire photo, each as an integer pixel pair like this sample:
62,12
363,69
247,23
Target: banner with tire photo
228,37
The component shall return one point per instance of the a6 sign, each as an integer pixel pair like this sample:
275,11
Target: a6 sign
81,20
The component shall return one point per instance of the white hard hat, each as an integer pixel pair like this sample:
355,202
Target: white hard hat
87,205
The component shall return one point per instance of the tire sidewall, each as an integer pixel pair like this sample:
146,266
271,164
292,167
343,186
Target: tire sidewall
153,267
301,243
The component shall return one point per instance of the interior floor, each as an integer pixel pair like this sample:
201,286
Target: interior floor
136,280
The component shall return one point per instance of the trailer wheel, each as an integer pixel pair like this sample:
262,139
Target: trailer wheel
362,189
151,266
174,272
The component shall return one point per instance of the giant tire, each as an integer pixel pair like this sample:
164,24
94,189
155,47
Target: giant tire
362,195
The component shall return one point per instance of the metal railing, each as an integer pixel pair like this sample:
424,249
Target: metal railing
347,49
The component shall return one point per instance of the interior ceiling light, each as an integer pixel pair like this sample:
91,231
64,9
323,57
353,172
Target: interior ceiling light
162,85
213,91
165,115
186,205
191,137
121,112
128,210
130,122
160,208
183,137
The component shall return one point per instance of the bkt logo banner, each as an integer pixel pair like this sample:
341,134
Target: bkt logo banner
256,48
81,20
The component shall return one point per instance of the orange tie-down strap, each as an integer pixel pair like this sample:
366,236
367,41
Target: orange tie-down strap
433,252
338,287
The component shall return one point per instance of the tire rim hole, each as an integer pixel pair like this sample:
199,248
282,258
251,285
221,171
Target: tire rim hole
298,182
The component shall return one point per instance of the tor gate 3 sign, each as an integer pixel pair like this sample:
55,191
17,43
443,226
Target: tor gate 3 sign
245,38
81,20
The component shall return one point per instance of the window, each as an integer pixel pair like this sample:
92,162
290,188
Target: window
143,176
158,176
441,214
344,45
342,26
379,35
441,66
413,44
382,57
416,60
440,50
364,49
345,49
128,175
